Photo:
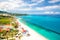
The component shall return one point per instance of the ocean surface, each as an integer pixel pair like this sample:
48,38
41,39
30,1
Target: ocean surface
46,25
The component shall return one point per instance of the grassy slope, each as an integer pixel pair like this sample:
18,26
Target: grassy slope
5,21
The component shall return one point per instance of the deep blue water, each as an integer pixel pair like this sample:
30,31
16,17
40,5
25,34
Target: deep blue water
51,22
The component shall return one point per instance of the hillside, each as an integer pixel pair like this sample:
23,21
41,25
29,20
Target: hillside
15,14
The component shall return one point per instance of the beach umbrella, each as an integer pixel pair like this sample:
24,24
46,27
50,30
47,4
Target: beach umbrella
7,29
1,29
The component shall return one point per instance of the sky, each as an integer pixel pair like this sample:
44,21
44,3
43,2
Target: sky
31,6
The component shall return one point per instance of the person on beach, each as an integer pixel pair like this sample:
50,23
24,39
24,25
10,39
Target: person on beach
18,36
25,32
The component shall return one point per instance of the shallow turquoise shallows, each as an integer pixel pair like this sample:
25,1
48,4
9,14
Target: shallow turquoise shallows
47,34
46,25
51,22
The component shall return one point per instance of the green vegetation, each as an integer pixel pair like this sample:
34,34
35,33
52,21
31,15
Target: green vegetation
7,20
10,34
10,20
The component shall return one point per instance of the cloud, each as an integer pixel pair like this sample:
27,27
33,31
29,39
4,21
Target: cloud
20,5
51,12
25,9
57,12
48,7
38,1
35,2
17,4
8,5
11,4
54,1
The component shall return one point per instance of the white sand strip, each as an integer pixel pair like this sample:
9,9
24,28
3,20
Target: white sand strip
33,35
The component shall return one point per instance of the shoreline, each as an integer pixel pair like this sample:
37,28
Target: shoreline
33,35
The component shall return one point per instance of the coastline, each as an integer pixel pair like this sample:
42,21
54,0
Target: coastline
46,33
33,35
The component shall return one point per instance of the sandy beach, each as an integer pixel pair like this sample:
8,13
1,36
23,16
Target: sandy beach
33,35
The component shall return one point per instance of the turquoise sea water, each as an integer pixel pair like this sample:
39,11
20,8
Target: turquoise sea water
46,25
